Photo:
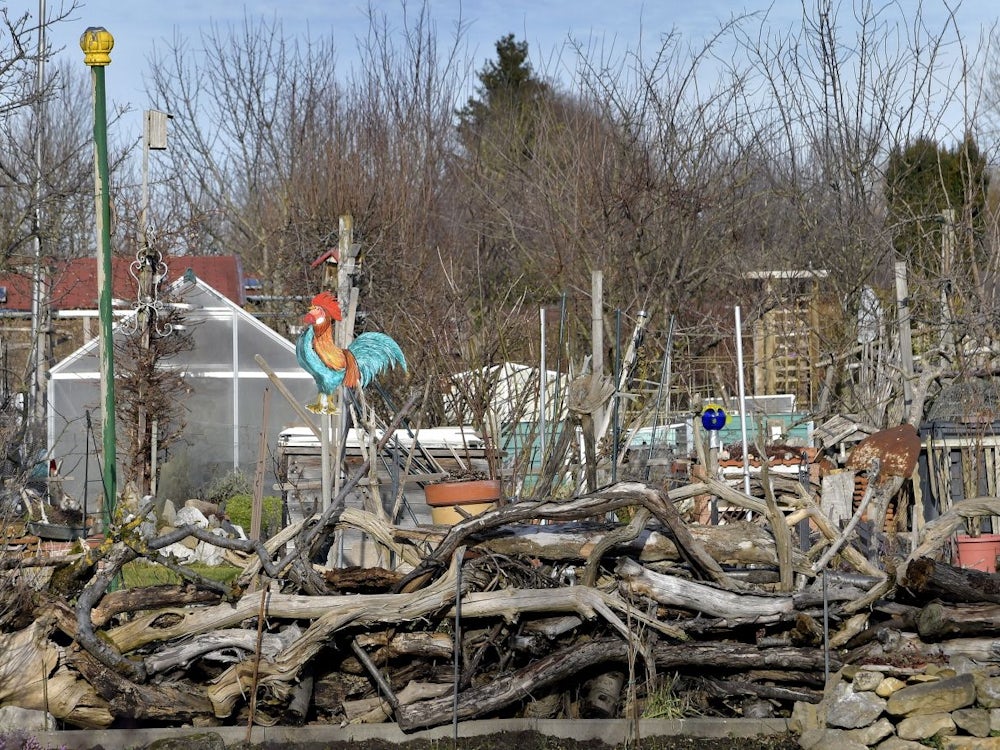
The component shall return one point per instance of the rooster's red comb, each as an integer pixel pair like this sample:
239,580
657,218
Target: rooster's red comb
329,304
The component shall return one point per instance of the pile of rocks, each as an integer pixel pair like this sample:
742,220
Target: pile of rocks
895,709
193,513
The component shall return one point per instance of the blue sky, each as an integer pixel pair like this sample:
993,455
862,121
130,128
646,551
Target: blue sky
545,24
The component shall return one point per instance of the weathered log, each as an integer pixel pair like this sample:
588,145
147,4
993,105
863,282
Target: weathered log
727,655
504,691
943,581
563,664
782,536
163,702
938,620
368,609
799,678
907,649
550,627
331,689
181,655
850,628
376,710
587,602
16,561
150,597
391,645
358,580
536,636
737,543
729,688
298,706
31,676
836,591
698,597
879,590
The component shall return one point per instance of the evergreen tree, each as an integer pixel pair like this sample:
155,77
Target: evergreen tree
502,114
925,180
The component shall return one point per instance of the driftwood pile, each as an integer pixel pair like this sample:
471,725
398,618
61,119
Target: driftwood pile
606,604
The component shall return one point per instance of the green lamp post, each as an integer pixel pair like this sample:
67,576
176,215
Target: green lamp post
96,44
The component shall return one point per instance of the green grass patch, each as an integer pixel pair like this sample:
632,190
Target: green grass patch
239,508
142,573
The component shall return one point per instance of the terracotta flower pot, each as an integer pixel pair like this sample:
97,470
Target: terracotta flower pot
978,552
473,496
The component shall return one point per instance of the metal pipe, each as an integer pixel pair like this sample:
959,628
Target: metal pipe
617,394
460,555
38,380
541,390
97,43
664,384
86,471
826,633
743,403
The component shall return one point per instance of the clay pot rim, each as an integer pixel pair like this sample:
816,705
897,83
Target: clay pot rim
462,492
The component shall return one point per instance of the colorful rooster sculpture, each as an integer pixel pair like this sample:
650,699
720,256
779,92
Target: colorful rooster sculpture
331,367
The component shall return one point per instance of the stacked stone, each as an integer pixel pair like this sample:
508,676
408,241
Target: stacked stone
869,707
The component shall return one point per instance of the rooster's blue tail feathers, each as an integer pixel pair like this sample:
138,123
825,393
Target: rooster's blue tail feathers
374,353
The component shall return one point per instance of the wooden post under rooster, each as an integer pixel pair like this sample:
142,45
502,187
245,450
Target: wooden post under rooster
332,366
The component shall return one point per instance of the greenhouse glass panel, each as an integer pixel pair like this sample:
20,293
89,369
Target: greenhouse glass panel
212,332
251,342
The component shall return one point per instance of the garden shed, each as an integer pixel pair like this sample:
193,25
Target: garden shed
223,405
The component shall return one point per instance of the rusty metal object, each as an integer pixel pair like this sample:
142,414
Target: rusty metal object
896,449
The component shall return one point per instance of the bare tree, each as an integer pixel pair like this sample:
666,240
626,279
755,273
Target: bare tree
274,146
39,172
824,106
255,122
760,149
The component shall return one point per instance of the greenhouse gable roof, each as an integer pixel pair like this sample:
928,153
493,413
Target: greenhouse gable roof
206,302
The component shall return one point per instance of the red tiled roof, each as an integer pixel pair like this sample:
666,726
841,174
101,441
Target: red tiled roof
74,282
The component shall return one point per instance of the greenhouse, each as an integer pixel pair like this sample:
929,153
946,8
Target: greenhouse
223,406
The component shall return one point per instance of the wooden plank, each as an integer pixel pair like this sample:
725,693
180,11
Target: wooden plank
317,484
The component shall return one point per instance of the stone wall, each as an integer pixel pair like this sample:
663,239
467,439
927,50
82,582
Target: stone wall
903,709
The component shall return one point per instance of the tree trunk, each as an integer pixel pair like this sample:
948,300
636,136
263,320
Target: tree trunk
942,581
152,597
32,677
937,620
